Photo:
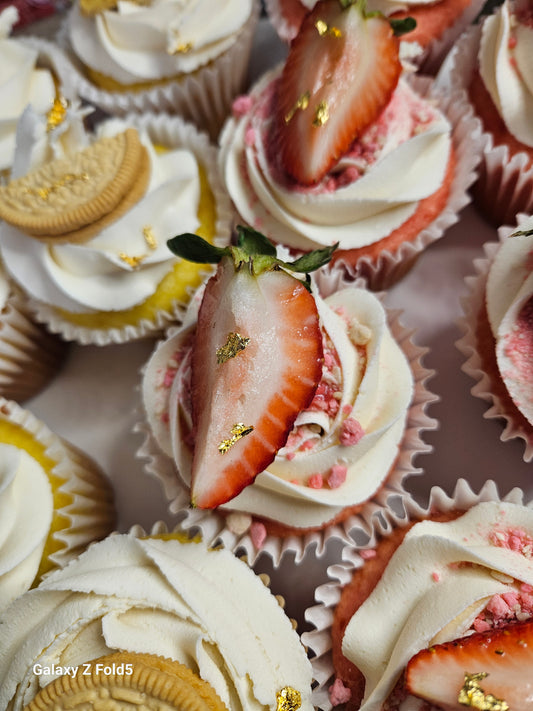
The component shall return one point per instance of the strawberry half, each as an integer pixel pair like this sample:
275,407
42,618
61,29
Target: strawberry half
257,361
342,69
493,667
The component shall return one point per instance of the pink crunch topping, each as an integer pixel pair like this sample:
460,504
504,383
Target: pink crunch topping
338,693
337,476
351,432
258,534
515,539
242,105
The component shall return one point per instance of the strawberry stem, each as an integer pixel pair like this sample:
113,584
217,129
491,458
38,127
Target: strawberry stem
252,248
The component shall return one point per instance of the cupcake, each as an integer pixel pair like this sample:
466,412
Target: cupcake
192,613
27,78
491,65
279,413
497,332
438,24
311,170
434,612
161,56
86,219
54,501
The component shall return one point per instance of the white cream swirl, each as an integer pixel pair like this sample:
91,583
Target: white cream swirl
164,38
374,188
425,598
506,67
120,267
22,82
341,449
509,300
201,607
26,509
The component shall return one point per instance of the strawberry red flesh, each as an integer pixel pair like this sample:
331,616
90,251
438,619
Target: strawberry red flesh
502,659
340,74
264,386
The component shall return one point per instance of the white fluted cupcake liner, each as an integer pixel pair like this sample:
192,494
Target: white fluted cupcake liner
388,267
203,97
488,382
30,355
88,506
173,132
213,526
327,596
505,184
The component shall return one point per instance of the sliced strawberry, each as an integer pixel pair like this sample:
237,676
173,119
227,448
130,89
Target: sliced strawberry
496,663
246,397
341,71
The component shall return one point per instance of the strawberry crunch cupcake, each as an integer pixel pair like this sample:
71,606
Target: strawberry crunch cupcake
152,623
317,152
438,23
277,412
498,326
491,64
436,612
93,213
161,55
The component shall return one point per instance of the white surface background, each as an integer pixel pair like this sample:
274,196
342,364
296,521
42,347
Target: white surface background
93,402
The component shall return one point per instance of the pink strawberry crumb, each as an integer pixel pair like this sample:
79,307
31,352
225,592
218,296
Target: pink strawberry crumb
258,534
315,481
242,105
481,625
337,476
368,553
436,576
338,693
498,607
347,409
351,432
526,587
290,456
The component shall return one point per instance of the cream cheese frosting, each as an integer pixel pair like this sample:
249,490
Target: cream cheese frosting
341,448
22,82
120,267
506,67
509,300
438,581
26,508
164,38
198,606
373,189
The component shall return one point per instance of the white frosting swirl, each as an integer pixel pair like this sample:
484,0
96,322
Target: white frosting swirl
425,598
373,189
98,275
203,608
22,82
506,67
26,509
136,42
366,389
509,299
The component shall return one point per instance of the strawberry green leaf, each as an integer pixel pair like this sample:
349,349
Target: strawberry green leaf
312,260
195,249
401,27
253,243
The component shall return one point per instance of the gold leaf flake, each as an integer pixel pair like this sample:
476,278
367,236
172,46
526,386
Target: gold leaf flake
149,237
288,699
324,29
302,103
235,343
132,261
57,113
66,179
473,695
321,114
238,431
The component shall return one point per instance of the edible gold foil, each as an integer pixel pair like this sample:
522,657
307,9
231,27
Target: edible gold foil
235,343
238,431
131,261
321,114
67,179
57,113
302,103
324,29
473,695
288,699
149,237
